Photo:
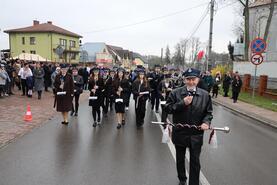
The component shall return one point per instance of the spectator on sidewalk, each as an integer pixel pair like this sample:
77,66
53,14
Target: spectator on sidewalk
216,84
24,73
3,80
11,72
226,84
39,79
53,76
236,87
47,76
208,79
17,67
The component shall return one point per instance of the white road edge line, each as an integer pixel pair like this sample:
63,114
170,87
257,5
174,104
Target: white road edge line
171,147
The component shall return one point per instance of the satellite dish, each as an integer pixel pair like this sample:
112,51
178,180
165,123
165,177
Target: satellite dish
59,50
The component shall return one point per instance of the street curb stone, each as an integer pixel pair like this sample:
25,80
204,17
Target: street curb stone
256,117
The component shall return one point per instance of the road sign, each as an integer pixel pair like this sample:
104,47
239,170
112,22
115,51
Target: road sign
257,59
258,45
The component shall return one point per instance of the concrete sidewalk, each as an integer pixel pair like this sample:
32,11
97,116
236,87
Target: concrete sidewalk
262,115
13,109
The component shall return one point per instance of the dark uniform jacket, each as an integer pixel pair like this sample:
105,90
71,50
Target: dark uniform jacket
198,112
162,89
78,84
98,93
137,87
64,102
124,84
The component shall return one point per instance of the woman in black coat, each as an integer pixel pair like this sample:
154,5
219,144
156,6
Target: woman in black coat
64,93
140,91
236,86
95,86
121,94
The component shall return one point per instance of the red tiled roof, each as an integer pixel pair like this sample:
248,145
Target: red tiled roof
261,3
45,27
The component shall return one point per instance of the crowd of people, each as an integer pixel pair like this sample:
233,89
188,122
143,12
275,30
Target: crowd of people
184,95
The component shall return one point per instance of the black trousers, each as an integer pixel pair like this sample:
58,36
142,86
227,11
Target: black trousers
24,86
76,98
235,96
226,91
140,105
194,167
111,102
96,113
155,100
106,102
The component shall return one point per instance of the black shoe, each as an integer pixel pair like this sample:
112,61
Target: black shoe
72,113
118,126
65,123
182,183
94,124
123,122
76,114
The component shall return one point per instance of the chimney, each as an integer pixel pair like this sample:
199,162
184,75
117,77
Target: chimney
49,22
35,22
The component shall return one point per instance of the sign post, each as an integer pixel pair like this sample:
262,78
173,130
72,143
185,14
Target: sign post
258,46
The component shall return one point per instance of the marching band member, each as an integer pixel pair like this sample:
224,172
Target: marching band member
78,90
95,87
140,90
111,100
107,91
121,88
129,92
156,78
165,88
193,106
64,87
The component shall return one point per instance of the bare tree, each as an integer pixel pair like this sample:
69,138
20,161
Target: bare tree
268,23
167,56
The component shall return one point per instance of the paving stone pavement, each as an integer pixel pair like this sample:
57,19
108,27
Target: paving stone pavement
13,109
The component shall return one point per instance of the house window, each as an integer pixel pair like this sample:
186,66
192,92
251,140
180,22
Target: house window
72,56
33,52
72,44
32,40
23,40
63,42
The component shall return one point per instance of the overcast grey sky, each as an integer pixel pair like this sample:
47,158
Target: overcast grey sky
86,16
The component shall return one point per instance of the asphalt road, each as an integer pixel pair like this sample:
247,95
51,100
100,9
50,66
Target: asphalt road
78,154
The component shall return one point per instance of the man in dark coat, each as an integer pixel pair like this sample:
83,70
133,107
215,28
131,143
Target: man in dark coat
226,84
47,76
192,106
154,81
78,90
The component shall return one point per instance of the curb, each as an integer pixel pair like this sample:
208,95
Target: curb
256,117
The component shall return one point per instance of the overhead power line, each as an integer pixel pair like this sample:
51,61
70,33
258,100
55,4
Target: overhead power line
147,20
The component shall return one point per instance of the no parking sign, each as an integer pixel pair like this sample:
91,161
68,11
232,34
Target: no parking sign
258,45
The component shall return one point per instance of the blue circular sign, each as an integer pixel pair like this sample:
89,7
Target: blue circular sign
258,45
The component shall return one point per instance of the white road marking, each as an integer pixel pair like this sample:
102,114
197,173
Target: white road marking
171,147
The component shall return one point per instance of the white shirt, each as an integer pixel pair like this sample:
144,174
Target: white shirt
24,73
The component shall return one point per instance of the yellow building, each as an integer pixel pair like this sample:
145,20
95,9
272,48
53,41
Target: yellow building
47,40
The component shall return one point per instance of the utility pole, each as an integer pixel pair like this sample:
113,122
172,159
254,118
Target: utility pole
210,34
162,56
